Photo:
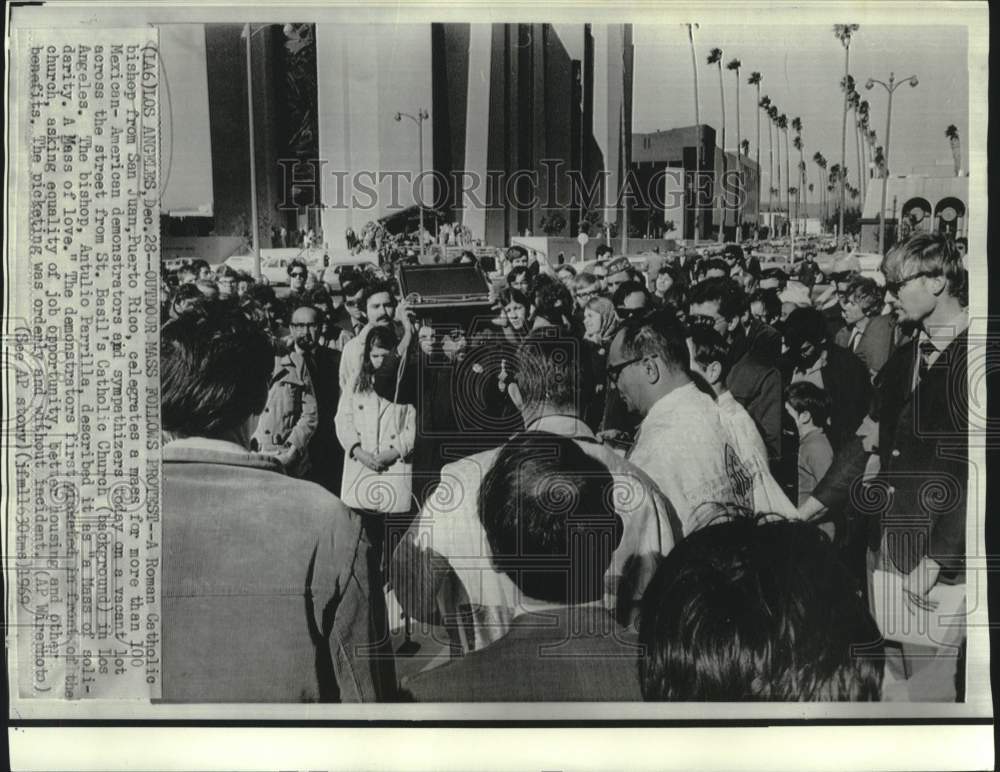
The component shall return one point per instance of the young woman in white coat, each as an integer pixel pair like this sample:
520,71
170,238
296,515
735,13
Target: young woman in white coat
377,431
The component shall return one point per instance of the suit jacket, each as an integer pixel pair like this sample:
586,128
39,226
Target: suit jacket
760,339
267,585
326,457
924,449
847,381
757,386
571,654
877,341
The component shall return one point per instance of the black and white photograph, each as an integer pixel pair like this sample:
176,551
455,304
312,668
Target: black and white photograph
448,364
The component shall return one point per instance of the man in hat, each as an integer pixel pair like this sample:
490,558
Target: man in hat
619,273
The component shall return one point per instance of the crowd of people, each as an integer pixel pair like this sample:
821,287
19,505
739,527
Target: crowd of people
681,483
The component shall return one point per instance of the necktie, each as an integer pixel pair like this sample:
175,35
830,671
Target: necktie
927,350
852,344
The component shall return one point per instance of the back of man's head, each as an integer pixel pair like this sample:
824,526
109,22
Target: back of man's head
748,609
215,369
551,373
631,288
547,510
708,347
806,325
722,290
660,334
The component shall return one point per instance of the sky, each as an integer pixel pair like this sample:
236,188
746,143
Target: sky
802,67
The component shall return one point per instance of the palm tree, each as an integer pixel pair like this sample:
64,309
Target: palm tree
872,139
820,161
864,110
809,189
754,80
764,103
734,66
956,146
715,57
698,219
880,166
773,114
831,182
855,99
783,125
797,144
803,188
797,125
844,33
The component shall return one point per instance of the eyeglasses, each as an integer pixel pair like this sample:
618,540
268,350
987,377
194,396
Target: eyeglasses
893,287
629,313
615,371
351,303
701,321
297,275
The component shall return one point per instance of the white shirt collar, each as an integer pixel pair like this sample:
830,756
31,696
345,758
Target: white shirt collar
563,425
941,335
206,443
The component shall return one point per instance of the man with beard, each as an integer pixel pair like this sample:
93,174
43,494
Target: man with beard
326,459
291,416
378,303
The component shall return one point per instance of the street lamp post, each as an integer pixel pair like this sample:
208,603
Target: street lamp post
419,119
890,87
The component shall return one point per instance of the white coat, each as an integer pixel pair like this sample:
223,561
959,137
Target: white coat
376,424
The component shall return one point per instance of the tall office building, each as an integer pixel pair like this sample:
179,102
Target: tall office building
523,118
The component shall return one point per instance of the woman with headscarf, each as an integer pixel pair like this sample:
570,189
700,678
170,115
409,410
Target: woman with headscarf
600,322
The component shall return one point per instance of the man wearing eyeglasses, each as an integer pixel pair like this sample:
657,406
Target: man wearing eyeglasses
682,443
924,449
326,455
297,275
619,273
291,415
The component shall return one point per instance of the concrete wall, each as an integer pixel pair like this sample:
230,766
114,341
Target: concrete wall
365,74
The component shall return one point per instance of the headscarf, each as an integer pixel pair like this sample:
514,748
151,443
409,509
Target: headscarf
609,320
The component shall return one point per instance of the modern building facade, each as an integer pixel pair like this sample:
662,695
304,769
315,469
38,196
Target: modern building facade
915,203
724,192
522,117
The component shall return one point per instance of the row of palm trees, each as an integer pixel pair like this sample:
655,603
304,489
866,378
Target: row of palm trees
869,155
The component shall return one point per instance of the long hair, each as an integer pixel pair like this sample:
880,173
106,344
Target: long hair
604,308
382,337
